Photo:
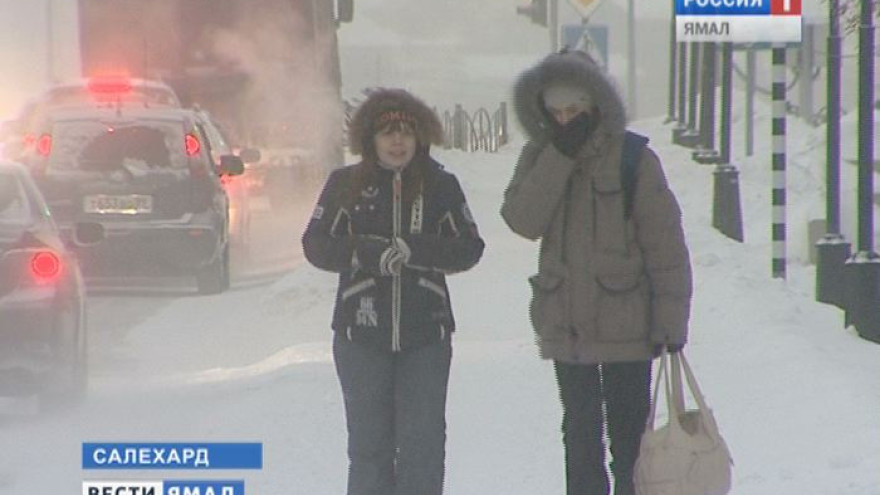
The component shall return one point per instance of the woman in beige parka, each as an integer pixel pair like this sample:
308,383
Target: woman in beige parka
614,280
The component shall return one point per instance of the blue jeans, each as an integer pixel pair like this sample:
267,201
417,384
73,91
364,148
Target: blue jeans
623,391
395,409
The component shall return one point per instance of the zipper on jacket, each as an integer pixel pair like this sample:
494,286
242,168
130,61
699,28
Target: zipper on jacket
395,280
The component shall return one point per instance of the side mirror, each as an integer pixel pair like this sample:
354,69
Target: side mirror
250,155
231,165
87,234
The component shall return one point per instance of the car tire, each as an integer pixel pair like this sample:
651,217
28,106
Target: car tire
68,381
214,277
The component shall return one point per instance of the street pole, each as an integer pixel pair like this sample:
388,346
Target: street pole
682,53
554,26
806,61
778,224
706,152
631,60
670,109
863,268
727,212
689,138
681,115
832,250
751,66
50,44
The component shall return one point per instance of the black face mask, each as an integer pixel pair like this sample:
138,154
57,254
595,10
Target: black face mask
569,138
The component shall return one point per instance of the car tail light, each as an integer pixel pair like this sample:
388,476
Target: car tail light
44,145
108,86
45,266
193,146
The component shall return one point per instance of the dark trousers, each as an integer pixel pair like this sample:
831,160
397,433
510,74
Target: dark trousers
395,409
616,395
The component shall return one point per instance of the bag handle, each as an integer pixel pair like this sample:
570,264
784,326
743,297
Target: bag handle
679,362
670,376
652,412
674,399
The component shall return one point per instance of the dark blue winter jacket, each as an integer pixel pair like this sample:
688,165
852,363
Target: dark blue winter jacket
360,208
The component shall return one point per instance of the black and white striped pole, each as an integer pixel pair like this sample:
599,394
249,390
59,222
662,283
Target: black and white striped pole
832,250
778,227
863,268
726,210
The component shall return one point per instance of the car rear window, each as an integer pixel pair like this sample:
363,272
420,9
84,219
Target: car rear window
102,147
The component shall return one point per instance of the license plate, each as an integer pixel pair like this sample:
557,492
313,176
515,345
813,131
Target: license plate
131,204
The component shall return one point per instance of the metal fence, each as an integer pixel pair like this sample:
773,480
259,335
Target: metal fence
482,130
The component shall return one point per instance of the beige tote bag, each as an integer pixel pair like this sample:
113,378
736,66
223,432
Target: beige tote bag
687,455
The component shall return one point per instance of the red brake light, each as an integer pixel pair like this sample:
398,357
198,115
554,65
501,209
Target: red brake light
109,85
46,266
44,145
193,146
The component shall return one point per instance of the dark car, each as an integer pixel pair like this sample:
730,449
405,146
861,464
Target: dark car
147,175
43,334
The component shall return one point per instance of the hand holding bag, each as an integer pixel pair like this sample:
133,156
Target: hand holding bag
686,456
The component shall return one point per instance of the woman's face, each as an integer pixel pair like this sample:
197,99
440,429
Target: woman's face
395,146
565,114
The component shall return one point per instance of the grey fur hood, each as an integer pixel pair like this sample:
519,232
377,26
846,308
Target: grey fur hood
572,67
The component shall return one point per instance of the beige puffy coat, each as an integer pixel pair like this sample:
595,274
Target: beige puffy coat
607,289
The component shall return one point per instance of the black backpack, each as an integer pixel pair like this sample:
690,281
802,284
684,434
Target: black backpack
630,157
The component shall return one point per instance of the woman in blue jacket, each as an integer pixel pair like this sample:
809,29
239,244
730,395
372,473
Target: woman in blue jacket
392,226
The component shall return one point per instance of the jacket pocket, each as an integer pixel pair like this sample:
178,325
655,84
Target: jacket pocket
425,301
622,307
548,310
360,305
609,219
433,287
357,288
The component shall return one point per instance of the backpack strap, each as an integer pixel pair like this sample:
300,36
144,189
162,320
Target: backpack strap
630,157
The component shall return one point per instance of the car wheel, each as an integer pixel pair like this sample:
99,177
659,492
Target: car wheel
68,379
214,277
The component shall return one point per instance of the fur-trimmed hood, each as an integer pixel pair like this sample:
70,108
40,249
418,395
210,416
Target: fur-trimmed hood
573,68
361,129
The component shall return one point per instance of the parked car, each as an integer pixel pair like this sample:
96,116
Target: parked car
43,333
147,175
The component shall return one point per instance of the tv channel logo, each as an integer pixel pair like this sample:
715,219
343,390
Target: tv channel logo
738,21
